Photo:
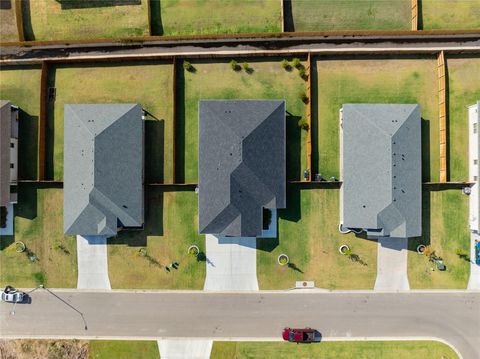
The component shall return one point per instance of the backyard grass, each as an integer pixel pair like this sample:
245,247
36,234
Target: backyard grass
329,15
445,228
171,226
390,81
39,225
185,17
21,86
308,234
107,349
464,90
70,20
333,350
450,14
147,83
216,80
8,23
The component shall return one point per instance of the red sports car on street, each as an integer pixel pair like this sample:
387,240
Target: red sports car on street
305,335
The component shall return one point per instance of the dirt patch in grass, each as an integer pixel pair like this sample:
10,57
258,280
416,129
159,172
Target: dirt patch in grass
216,80
137,259
464,90
39,225
8,22
49,20
445,230
180,17
41,349
389,81
327,15
308,234
450,14
147,83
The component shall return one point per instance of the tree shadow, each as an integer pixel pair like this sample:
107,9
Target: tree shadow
425,150
156,26
154,150
50,125
27,21
293,149
84,4
180,126
289,24
294,267
27,145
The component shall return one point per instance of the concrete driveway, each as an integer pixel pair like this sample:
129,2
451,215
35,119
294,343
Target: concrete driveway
92,263
185,348
231,263
392,264
474,280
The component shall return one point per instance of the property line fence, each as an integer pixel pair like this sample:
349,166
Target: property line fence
309,118
414,15
174,120
42,123
19,20
442,115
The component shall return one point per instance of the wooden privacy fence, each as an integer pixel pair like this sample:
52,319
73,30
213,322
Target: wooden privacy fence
442,115
174,121
42,123
414,15
19,20
309,118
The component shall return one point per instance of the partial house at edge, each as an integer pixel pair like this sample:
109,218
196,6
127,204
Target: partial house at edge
103,168
241,164
381,169
474,166
8,153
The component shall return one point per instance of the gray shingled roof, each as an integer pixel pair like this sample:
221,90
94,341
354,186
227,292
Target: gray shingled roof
382,169
6,132
241,164
103,168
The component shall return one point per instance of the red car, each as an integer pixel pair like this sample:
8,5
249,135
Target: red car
305,335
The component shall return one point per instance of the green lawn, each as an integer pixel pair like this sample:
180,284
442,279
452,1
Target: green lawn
217,80
181,17
326,15
8,23
171,226
107,349
22,87
464,90
341,81
308,234
39,225
85,19
147,83
333,350
445,227
451,14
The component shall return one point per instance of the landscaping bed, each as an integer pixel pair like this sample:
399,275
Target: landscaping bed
308,234
147,83
373,80
445,232
267,80
137,258
450,14
39,225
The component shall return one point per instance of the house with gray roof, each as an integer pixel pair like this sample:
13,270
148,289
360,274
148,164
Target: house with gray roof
381,169
8,153
103,168
474,166
241,164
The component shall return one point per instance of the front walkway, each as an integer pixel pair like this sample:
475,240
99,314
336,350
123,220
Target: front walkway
185,349
92,263
474,281
392,264
231,263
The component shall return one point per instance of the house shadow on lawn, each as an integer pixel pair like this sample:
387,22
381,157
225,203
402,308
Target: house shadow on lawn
413,243
154,151
293,144
84,4
27,145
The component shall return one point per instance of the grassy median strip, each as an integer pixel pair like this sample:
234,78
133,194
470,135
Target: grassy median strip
445,233
450,14
308,234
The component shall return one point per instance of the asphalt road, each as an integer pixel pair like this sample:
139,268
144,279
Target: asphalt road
451,316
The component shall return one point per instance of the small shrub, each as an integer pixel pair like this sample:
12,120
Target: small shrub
39,278
303,96
234,65
283,260
285,65
247,68
188,66
296,63
303,124
303,74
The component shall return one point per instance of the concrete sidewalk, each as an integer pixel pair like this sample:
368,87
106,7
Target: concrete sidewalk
392,264
185,349
92,263
474,280
231,263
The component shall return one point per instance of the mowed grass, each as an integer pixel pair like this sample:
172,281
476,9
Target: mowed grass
451,14
445,229
119,349
147,83
388,81
464,90
39,225
21,86
171,226
329,15
86,19
308,234
186,17
8,22
217,80
333,350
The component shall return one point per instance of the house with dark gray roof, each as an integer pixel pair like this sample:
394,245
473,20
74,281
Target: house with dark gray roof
8,153
381,169
241,164
103,168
